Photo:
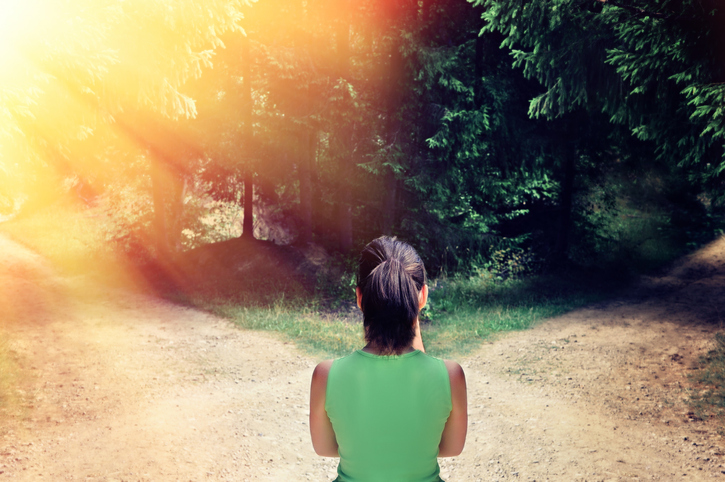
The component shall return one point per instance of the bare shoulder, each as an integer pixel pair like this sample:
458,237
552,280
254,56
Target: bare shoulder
321,371
455,372
324,367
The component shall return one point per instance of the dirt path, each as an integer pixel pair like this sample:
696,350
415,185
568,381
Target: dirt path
118,386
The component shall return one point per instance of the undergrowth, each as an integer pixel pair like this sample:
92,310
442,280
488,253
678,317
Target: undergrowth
310,329
463,309
709,400
74,240
460,315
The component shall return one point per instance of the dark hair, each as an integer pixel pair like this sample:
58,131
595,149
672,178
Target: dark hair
390,276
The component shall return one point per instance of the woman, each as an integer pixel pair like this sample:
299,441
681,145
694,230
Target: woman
389,410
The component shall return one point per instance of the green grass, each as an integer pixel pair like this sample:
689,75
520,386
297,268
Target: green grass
463,312
709,400
316,333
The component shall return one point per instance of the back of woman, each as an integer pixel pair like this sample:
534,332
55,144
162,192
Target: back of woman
388,413
389,410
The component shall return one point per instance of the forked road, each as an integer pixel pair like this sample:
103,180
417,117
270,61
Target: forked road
113,385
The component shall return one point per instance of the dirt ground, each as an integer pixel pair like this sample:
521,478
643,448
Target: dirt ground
114,385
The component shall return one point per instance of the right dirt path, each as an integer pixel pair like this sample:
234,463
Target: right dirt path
601,393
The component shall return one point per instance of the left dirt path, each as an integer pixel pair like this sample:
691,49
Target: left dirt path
114,385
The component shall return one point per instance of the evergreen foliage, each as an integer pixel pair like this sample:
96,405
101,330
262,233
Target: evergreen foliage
497,134
654,67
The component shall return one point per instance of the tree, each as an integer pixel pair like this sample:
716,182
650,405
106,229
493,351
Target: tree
654,67
466,158
347,151
117,69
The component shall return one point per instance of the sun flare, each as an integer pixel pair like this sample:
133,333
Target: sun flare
19,23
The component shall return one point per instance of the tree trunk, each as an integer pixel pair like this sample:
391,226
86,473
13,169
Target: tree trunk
159,183
248,139
567,195
168,152
307,145
345,216
427,15
345,201
389,202
389,206
248,216
178,192
346,164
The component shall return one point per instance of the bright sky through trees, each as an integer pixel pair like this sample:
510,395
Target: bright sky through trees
80,80
356,118
25,24
15,18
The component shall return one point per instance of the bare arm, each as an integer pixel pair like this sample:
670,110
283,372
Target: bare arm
454,432
323,436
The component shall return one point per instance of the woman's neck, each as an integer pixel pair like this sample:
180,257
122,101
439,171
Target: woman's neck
375,350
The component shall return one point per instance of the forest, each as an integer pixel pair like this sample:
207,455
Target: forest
185,187
513,137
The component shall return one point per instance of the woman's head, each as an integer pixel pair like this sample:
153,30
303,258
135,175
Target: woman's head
390,278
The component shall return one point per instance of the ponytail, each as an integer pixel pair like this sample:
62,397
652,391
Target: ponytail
390,277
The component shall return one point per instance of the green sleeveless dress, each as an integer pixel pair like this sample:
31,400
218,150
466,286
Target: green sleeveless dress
388,413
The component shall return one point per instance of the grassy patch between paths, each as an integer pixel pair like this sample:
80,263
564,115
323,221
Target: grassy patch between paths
461,314
312,331
465,311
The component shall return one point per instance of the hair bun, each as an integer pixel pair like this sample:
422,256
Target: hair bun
390,277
